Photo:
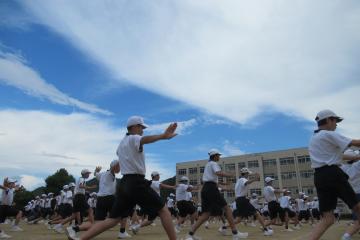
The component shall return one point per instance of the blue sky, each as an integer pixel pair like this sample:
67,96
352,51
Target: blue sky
69,79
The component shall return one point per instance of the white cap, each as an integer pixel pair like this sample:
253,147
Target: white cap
37,197
172,195
85,171
245,170
66,187
184,178
114,163
269,179
93,194
155,173
254,195
43,195
136,120
326,114
50,193
315,198
214,151
72,184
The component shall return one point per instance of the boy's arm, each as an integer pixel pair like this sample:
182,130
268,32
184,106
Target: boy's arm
167,186
168,134
355,142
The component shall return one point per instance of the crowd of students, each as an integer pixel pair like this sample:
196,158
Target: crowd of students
136,201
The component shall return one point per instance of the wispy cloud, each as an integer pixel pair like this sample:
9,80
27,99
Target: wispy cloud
15,72
231,149
234,59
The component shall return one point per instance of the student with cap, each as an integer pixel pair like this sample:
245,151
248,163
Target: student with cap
243,205
185,207
273,205
156,185
315,209
134,188
352,169
67,210
326,150
7,209
286,211
212,202
105,200
171,204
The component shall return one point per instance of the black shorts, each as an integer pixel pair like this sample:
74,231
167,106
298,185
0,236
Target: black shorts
135,189
66,210
332,183
185,208
291,214
315,213
211,199
275,210
79,203
103,206
244,207
304,214
7,211
173,211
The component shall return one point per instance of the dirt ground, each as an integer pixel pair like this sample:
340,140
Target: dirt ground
40,232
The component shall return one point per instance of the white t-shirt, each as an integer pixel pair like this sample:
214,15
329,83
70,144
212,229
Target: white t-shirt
42,203
233,206
241,188
7,197
301,204
170,203
210,171
326,148
269,193
188,196
79,190
48,202
315,204
255,203
107,183
68,197
156,186
131,155
353,171
284,201
181,192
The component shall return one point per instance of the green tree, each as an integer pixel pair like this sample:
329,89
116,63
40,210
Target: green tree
22,197
55,182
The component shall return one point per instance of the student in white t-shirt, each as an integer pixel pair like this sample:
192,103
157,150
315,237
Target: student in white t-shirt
326,150
275,210
243,205
212,202
133,187
156,185
285,205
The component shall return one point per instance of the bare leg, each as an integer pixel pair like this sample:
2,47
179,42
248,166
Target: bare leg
166,221
327,220
99,227
202,218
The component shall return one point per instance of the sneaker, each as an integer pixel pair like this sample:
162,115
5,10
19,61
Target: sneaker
135,228
193,237
41,221
222,231
288,230
207,225
16,228
346,237
268,232
3,235
70,232
58,228
252,224
177,228
124,235
240,235
297,227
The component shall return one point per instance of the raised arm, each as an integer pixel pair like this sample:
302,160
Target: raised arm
355,142
168,134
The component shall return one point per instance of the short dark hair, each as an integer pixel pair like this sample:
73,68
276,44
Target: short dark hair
324,121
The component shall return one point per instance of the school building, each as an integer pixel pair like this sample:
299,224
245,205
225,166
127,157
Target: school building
290,168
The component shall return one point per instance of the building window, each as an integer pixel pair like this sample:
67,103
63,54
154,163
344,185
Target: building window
272,175
202,169
221,179
182,171
308,190
306,174
193,170
230,194
256,190
231,180
304,159
286,161
193,182
241,165
288,175
230,167
293,190
253,164
269,162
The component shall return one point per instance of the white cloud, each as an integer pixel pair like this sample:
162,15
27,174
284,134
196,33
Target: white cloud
231,149
33,146
15,72
31,182
234,59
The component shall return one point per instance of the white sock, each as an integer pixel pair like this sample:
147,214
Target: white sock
347,235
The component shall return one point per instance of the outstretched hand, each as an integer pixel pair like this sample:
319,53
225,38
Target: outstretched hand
170,131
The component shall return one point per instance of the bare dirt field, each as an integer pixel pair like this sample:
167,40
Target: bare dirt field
40,232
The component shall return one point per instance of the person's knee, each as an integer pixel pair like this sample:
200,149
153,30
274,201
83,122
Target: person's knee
329,219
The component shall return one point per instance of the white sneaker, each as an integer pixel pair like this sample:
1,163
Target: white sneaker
193,237
222,231
346,237
252,224
124,235
289,230
3,235
240,235
207,225
177,228
70,232
58,228
268,232
297,227
41,221
16,228
135,228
